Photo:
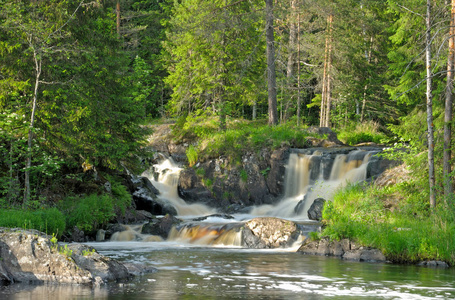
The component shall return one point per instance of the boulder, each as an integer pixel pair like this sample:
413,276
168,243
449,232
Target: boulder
160,227
32,256
315,210
270,232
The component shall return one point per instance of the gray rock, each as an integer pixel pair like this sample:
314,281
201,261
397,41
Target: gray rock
315,210
30,256
160,227
273,232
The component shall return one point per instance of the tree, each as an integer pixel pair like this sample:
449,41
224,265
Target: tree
40,29
213,56
271,75
448,190
429,95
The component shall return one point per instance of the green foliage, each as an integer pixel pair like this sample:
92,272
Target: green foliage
191,154
395,220
91,212
362,133
50,221
239,137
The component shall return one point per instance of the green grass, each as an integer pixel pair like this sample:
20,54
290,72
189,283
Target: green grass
239,137
362,133
407,233
50,221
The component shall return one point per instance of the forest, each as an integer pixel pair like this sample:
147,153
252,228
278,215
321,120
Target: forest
81,82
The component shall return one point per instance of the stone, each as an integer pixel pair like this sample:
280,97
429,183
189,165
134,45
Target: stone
160,227
315,210
273,232
30,256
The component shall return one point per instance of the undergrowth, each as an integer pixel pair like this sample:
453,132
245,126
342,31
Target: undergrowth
395,220
49,221
364,132
240,136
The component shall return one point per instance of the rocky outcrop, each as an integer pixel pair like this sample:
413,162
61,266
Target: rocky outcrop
145,196
258,180
344,249
32,256
269,233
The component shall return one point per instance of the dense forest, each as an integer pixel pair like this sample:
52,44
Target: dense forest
81,80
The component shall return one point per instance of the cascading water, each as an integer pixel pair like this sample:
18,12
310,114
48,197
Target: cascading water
166,182
307,177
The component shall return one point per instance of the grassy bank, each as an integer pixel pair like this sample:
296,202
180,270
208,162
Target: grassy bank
396,220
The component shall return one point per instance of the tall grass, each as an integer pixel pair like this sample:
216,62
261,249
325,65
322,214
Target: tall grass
50,221
407,233
357,133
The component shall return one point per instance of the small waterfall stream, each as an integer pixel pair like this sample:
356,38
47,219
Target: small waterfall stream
307,177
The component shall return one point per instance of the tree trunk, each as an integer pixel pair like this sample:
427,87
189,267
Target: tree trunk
447,157
117,10
28,162
431,172
291,57
325,103
271,75
298,69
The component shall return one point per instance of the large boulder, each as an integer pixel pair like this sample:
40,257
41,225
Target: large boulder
269,232
32,256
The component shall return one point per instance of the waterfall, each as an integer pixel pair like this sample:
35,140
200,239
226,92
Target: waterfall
309,177
165,177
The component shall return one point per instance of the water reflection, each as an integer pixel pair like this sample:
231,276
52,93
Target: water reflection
224,273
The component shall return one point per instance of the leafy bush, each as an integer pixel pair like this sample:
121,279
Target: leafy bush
90,212
50,221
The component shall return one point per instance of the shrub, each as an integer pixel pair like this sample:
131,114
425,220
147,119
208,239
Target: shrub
90,212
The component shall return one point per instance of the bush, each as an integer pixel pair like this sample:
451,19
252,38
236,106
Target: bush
90,212
50,221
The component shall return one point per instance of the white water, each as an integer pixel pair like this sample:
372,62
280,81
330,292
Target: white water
168,178
346,169
298,185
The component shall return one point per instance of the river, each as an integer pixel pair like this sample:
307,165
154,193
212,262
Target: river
188,272
190,265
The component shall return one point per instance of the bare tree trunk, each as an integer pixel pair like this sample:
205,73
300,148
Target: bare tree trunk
28,162
329,67
271,73
447,157
431,172
292,54
298,69
324,84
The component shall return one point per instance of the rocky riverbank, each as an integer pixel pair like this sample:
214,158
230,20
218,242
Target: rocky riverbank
31,256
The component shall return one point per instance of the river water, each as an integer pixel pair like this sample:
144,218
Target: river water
194,267
188,272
